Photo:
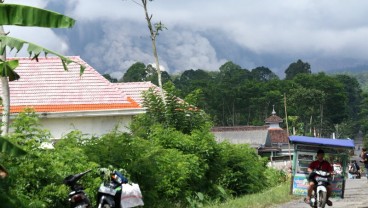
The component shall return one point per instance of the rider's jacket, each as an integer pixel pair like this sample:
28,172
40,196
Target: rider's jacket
321,165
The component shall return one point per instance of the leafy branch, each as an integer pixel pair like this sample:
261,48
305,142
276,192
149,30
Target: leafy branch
34,50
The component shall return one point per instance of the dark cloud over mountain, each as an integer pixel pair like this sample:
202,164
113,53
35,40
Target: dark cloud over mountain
111,35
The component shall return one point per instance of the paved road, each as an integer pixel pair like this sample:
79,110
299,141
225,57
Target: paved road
356,196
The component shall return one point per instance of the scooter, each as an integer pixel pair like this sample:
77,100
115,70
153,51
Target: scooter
77,197
109,192
319,195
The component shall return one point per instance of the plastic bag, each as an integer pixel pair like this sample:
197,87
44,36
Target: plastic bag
131,195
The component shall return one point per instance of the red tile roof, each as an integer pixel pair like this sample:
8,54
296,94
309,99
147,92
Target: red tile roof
238,128
135,89
47,87
273,119
278,136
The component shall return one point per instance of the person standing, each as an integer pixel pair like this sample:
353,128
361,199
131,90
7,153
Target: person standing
364,160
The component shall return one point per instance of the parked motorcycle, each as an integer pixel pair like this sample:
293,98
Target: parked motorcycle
319,195
77,197
109,192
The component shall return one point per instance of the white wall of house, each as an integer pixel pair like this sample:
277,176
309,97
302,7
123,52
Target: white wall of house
93,123
95,126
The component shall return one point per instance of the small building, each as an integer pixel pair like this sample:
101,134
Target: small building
270,140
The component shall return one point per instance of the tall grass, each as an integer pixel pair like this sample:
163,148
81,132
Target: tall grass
268,198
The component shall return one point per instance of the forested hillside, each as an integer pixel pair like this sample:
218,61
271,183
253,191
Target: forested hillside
316,103
359,72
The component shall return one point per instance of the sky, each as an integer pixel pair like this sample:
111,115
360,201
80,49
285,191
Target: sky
111,35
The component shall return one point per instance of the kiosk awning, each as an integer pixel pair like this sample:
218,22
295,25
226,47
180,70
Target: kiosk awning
344,143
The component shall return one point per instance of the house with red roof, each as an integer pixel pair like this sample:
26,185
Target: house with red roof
67,101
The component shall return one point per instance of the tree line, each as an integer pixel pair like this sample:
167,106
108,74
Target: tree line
317,104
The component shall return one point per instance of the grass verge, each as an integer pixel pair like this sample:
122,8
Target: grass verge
276,195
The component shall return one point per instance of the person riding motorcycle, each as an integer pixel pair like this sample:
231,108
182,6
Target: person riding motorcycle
319,164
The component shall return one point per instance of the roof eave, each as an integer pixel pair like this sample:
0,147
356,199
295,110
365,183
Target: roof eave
91,113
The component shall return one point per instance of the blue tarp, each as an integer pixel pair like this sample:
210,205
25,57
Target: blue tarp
344,143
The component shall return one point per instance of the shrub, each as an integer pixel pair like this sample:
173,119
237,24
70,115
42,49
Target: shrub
36,179
275,177
242,169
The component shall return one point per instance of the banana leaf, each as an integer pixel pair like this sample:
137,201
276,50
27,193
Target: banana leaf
9,148
7,69
33,50
21,15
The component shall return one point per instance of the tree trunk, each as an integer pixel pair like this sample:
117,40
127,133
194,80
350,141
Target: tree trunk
153,39
6,105
5,96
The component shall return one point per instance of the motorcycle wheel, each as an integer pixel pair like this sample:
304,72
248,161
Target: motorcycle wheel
322,199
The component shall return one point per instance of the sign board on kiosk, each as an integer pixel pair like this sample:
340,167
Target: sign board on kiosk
337,152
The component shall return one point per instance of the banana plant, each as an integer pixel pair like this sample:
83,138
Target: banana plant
7,147
10,148
22,15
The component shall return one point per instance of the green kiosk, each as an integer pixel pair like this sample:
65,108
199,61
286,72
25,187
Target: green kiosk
337,152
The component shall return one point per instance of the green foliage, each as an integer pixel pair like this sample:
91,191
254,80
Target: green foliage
174,168
234,96
320,102
175,113
263,74
196,201
365,141
42,173
275,177
191,80
34,50
136,73
26,127
7,69
242,169
308,103
139,72
35,179
10,148
111,79
296,68
22,15
335,108
176,165
363,114
354,93
160,172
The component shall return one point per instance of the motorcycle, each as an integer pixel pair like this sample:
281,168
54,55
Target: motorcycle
319,195
77,197
109,192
